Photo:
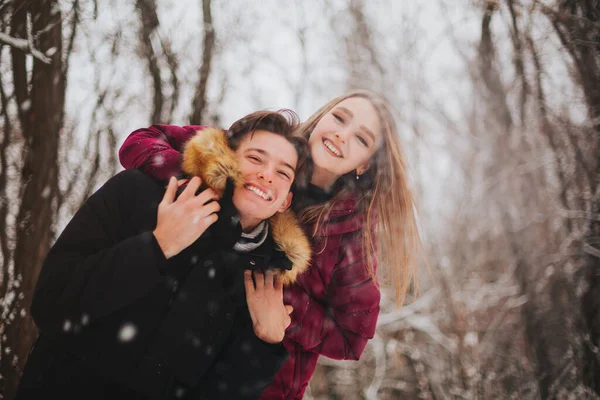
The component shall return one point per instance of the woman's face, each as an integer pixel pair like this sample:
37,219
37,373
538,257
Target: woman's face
344,140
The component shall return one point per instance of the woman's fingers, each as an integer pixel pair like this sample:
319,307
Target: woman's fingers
259,280
248,282
269,275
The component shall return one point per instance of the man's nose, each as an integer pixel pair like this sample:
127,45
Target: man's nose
266,174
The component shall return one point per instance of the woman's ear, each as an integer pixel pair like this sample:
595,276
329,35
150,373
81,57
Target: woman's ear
362,169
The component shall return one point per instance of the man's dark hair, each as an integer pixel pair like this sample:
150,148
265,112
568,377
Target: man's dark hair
282,122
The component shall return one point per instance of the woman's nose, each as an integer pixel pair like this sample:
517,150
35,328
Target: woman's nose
341,136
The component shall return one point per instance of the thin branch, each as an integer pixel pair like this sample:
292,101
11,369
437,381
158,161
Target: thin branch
6,133
173,64
518,60
74,25
591,250
25,46
378,346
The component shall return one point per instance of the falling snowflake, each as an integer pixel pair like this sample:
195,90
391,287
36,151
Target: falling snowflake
51,51
211,273
159,160
196,342
67,326
127,332
46,192
26,105
471,339
246,347
85,319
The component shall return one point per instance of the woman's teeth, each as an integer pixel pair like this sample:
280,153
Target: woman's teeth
258,192
331,147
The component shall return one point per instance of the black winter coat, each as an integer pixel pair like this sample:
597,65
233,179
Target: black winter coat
119,321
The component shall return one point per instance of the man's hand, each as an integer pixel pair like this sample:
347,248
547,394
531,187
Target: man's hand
264,295
180,222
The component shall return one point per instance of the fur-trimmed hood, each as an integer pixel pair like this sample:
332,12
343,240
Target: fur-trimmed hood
208,156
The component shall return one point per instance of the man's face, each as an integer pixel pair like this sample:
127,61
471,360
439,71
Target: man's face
268,162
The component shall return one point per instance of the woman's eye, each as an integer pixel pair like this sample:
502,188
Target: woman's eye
339,118
254,158
363,141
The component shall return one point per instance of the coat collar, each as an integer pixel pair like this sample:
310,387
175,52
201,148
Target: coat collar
208,156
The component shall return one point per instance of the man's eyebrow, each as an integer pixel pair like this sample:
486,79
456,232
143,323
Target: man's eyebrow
261,151
288,166
266,153
364,128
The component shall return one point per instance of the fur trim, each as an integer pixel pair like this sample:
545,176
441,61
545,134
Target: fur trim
291,239
208,156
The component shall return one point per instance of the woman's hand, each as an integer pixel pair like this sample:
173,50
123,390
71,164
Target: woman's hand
264,295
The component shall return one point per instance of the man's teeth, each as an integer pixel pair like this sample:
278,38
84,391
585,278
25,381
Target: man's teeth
259,192
331,147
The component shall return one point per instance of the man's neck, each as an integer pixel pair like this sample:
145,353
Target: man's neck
249,223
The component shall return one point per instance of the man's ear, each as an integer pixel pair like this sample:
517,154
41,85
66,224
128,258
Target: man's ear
287,203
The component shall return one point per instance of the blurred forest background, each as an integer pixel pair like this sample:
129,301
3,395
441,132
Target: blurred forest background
499,108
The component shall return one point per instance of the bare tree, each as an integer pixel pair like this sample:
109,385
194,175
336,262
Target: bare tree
40,102
577,24
149,38
42,168
208,44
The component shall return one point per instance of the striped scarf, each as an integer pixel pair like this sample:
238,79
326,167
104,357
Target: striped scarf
252,240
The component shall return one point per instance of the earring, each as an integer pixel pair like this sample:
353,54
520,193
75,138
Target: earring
357,176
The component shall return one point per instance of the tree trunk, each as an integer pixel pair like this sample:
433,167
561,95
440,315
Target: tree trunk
199,103
149,21
39,176
576,24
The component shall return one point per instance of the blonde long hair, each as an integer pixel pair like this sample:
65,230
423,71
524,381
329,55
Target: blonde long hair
386,201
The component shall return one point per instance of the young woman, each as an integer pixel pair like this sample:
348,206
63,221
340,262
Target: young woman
357,207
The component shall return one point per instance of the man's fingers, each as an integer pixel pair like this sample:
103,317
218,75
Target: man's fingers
269,275
170,192
259,279
191,188
288,309
210,208
248,282
205,196
211,219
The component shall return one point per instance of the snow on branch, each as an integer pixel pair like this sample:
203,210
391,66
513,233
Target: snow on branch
23,44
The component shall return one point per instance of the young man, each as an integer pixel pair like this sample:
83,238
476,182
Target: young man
149,293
